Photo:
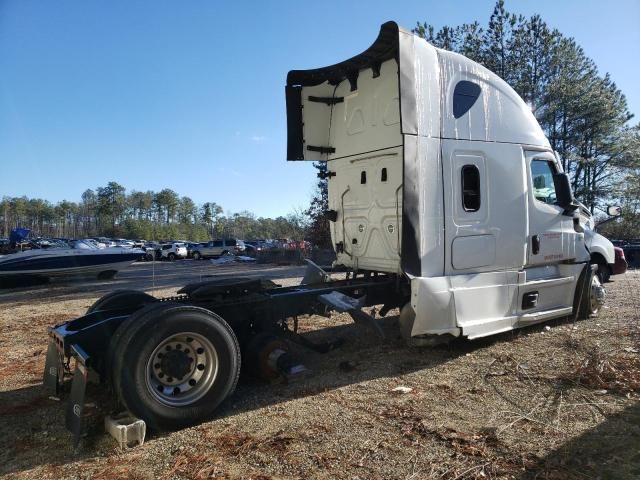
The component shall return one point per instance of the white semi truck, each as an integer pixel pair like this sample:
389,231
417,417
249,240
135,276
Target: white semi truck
439,171
446,201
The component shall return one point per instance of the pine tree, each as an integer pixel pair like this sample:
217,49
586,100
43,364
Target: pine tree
318,229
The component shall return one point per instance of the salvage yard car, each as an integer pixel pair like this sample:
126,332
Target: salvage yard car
173,251
215,248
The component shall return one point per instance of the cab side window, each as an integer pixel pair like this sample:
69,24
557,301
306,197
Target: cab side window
542,171
217,243
470,188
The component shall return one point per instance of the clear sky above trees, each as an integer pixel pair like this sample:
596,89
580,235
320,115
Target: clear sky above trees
189,95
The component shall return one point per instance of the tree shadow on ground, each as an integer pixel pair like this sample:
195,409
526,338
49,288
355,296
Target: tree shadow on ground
609,451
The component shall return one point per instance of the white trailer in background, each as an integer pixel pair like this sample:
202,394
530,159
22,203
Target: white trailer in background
439,172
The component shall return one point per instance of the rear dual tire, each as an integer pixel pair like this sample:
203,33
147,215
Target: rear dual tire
121,299
173,365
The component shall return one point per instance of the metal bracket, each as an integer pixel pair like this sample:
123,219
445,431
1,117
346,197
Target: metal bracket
327,100
323,150
345,303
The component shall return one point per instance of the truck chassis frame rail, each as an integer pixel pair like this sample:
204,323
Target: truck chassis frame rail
202,337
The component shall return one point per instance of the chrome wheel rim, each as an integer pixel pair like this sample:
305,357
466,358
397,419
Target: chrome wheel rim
182,369
596,294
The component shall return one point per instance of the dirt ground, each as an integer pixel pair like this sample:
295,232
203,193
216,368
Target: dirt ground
559,401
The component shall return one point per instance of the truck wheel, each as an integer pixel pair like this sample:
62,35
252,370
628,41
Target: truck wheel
121,299
116,339
171,257
603,271
173,366
196,255
592,296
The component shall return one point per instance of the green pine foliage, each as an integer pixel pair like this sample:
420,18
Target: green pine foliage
318,224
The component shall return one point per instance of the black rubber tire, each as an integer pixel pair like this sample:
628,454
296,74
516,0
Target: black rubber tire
120,299
115,341
196,255
171,257
149,257
145,330
582,299
603,271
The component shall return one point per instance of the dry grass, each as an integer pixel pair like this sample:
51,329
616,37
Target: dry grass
613,371
536,403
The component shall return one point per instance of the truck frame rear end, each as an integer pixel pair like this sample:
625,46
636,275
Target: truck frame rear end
171,361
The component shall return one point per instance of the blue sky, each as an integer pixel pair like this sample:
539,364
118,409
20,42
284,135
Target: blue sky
190,95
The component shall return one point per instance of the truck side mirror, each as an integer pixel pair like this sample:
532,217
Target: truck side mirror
564,195
614,211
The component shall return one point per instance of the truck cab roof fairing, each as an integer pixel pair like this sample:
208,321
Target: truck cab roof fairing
384,48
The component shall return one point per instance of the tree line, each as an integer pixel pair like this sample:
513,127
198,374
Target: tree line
112,212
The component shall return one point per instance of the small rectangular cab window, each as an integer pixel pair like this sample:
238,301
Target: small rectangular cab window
470,177
542,172
217,243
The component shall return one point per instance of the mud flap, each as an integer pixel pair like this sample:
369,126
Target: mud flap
53,371
74,420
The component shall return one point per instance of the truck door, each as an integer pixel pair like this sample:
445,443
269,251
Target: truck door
549,227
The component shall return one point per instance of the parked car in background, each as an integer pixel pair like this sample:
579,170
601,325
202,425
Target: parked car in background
620,265
632,254
125,243
250,250
151,251
107,242
173,251
94,242
252,247
192,247
601,249
215,248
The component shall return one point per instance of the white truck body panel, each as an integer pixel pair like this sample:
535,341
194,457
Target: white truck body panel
440,172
